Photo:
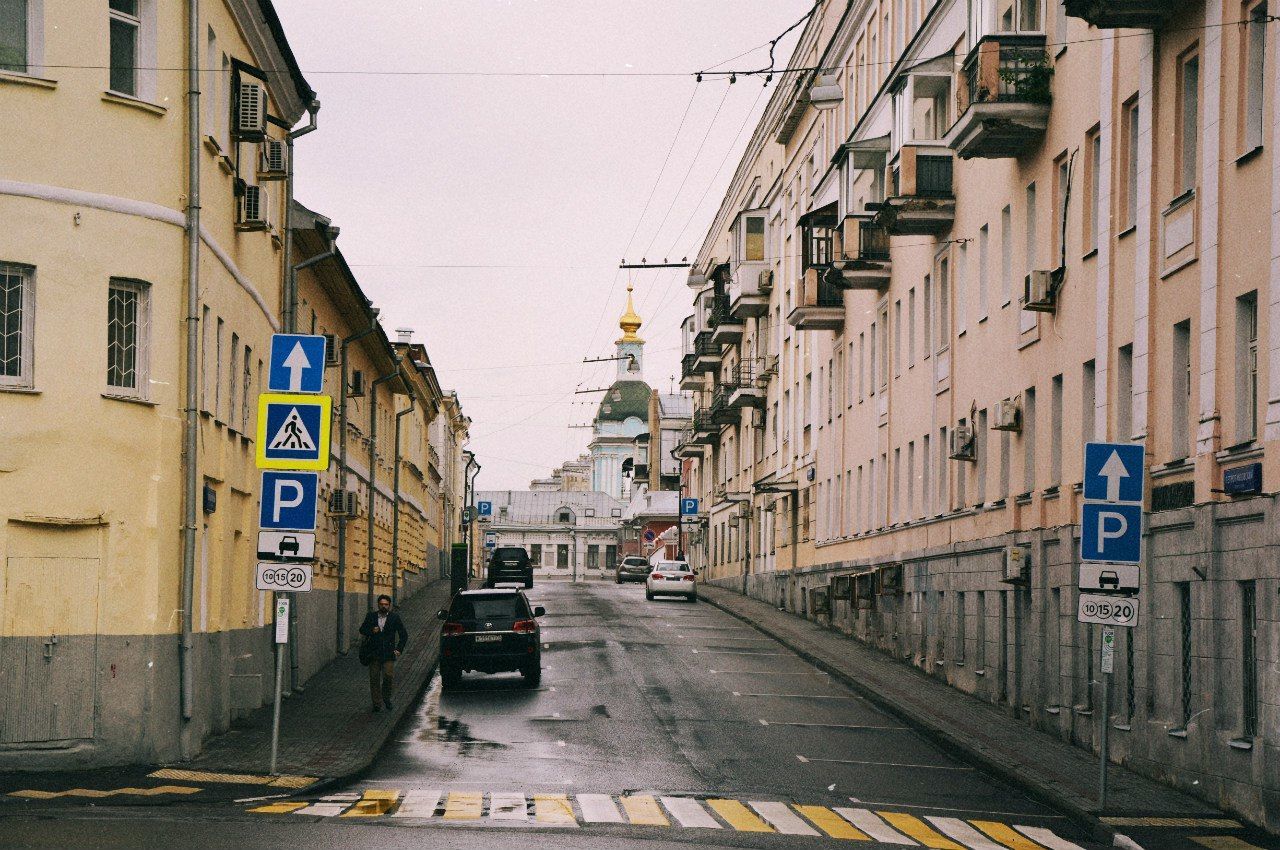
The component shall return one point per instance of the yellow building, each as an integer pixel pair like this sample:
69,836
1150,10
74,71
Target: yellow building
979,235
131,357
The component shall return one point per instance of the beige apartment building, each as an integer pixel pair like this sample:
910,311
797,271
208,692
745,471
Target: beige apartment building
966,238
142,273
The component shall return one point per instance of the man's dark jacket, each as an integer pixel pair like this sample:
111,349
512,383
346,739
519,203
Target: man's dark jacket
387,642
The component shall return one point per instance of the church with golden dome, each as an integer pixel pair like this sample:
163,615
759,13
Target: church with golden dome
623,412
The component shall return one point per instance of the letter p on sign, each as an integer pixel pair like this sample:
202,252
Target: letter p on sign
289,494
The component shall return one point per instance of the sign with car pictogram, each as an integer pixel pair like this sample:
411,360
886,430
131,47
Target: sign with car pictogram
1110,578
287,545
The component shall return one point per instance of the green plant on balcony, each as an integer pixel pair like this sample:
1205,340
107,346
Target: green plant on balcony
1028,79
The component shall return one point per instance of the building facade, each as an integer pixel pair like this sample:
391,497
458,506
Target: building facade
132,349
569,534
979,235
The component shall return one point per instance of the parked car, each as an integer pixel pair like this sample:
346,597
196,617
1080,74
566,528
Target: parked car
509,563
490,631
671,578
633,568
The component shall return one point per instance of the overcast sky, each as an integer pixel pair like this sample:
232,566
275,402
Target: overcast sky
541,180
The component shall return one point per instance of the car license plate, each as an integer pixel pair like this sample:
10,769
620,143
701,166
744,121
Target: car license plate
488,638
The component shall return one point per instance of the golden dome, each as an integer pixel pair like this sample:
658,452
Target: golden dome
630,321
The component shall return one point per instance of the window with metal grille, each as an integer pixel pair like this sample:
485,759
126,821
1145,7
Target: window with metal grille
1249,659
248,379
126,22
1184,621
127,338
17,309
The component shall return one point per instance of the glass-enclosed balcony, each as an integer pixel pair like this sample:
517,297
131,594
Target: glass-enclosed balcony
1005,97
750,279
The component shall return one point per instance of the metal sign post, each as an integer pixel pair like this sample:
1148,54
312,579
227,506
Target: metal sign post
282,638
1108,663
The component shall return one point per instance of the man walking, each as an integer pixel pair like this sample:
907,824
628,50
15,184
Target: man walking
385,637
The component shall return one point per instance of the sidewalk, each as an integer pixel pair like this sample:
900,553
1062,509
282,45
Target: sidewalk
327,731
1056,772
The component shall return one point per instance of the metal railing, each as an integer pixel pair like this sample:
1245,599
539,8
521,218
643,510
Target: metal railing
873,242
688,365
1021,71
703,346
933,175
720,314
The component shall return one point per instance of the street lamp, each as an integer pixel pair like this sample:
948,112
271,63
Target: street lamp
825,93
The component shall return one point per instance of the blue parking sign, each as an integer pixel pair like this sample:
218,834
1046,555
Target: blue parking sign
688,507
288,501
297,364
1111,533
1113,472
484,508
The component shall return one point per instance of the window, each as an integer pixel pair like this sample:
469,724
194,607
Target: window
1254,77
1247,367
1006,442
941,505
126,24
980,456
911,327
217,372
1006,256
1124,392
233,381
1129,150
1093,199
245,389
611,554
753,239
1180,390
897,339
897,488
984,269
944,303
205,330
593,557
1027,319
1055,431
1249,659
961,274
980,639
1061,191
1187,151
562,556
926,478
911,480
961,630
564,516
19,20
872,372
1029,441
535,554
17,323
127,316
861,372
927,292
1088,401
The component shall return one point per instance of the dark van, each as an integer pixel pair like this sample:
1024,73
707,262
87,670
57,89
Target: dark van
509,564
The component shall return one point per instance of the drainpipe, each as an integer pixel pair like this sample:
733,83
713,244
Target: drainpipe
291,277
373,466
468,501
340,630
395,501
191,424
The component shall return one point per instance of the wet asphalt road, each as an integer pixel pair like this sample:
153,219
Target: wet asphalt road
666,698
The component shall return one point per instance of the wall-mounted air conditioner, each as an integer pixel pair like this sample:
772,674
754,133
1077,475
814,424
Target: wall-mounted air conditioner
962,444
356,390
1017,561
253,212
250,120
765,283
1008,416
273,160
343,503
770,365
332,356
1039,292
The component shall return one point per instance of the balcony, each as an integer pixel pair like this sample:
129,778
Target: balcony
688,446
1135,14
866,259
921,202
690,377
706,353
749,290
721,412
746,386
726,328
821,304
705,430
1005,102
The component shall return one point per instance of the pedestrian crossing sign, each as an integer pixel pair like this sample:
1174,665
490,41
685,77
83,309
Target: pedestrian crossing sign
293,431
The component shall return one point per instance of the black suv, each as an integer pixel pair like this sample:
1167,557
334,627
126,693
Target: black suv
509,563
490,631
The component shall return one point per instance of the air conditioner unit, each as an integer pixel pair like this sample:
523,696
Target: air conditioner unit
273,160
770,365
253,209
332,356
766,280
343,503
1008,417
1017,560
356,390
719,493
250,122
962,443
1039,291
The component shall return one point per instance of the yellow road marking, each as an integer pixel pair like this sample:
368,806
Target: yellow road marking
1006,835
33,794
375,802
1216,823
233,778
739,816
464,805
278,808
912,826
831,823
643,809
554,808
1223,842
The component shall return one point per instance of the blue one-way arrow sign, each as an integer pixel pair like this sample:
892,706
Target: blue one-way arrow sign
297,364
1113,472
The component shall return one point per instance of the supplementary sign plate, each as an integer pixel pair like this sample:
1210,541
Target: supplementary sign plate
282,619
1108,610
1110,578
287,545
293,431
284,578
288,501
297,364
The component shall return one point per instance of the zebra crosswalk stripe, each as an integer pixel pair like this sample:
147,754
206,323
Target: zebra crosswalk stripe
867,821
831,823
599,808
919,830
739,816
1006,835
373,803
508,806
780,816
554,809
1047,838
643,810
329,806
688,812
464,805
965,834
418,804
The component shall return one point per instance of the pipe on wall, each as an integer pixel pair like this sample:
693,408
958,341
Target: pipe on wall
373,470
395,500
341,618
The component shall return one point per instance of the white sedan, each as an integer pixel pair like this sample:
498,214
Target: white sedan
672,578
